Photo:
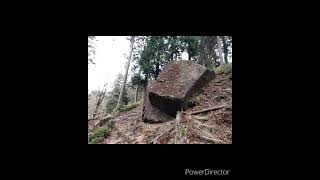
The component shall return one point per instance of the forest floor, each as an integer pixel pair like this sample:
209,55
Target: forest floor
209,127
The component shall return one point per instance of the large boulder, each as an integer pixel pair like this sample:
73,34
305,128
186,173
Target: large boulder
174,85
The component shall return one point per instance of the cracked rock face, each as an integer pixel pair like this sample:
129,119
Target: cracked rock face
174,85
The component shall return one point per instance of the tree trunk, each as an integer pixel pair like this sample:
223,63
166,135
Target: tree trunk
157,70
95,111
100,96
144,88
125,75
136,95
98,104
220,50
143,91
225,49
137,89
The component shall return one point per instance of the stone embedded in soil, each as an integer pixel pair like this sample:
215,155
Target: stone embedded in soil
176,83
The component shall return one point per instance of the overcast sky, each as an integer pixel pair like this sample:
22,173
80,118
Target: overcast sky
110,61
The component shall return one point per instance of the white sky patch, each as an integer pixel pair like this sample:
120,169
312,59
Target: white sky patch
109,61
184,55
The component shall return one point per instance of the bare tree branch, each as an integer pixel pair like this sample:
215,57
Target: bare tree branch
100,96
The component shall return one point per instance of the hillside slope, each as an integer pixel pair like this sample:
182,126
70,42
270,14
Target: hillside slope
213,126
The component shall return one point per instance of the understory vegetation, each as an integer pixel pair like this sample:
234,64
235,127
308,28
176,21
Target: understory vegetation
96,136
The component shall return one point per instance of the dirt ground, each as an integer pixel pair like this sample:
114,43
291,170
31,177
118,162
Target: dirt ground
211,127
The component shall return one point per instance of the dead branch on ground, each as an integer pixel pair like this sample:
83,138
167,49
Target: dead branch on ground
201,117
210,127
207,109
